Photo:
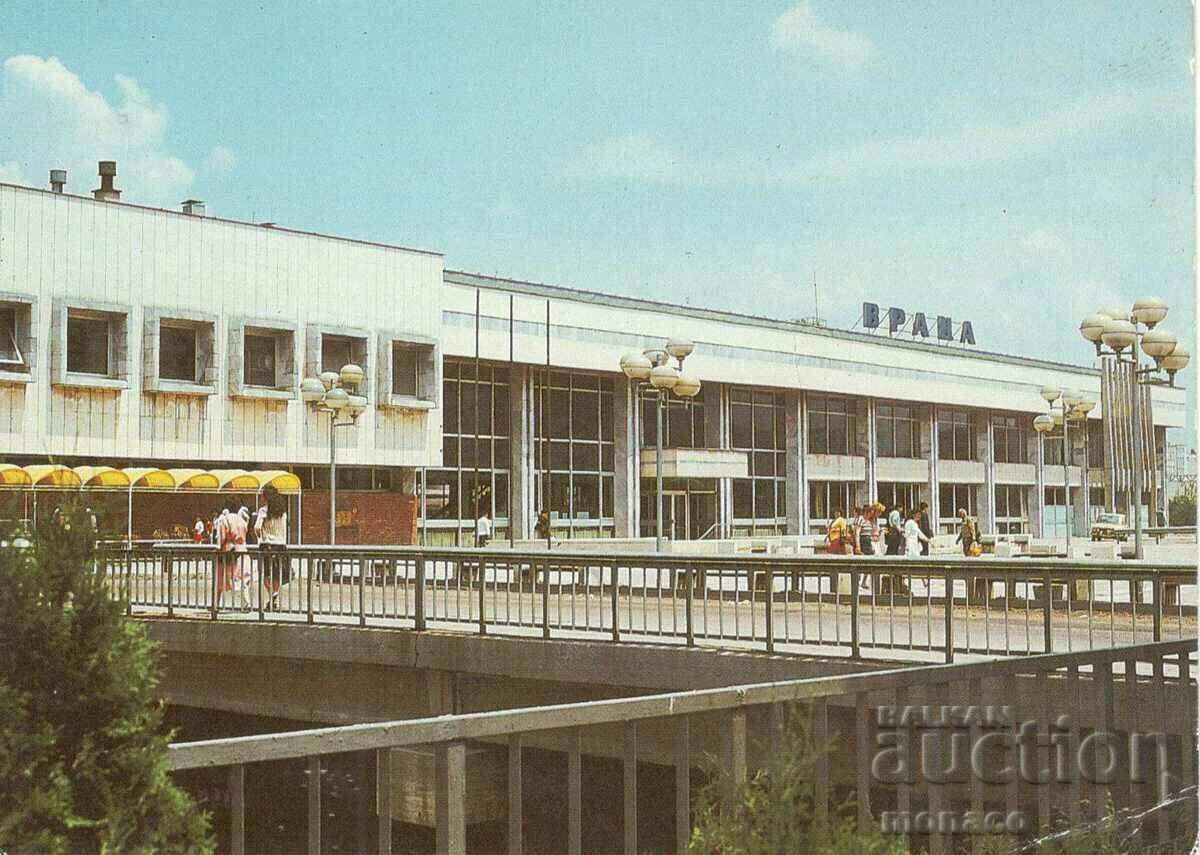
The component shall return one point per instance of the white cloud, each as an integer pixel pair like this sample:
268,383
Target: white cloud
800,31
631,157
220,159
50,119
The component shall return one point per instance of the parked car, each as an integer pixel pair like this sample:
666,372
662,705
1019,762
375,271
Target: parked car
1110,527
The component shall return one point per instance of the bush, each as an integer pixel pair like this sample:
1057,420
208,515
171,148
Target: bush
83,754
774,810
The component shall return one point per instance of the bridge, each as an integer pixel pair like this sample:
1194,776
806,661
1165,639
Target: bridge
657,661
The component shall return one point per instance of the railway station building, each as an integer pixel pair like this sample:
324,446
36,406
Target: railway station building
142,337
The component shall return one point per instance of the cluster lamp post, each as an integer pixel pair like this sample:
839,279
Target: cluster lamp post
1114,331
653,367
335,393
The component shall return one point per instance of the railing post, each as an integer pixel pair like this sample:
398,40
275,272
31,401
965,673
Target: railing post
545,599
383,798
419,596
1047,616
616,625
1158,606
769,602
308,586
216,577
689,593
168,571
314,805
129,582
515,796
948,620
260,586
450,797
479,571
854,583
362,592
237,809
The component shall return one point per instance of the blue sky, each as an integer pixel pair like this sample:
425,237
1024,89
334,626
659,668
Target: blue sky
1015,168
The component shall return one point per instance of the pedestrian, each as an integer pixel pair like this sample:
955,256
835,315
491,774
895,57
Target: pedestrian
483,528
837,535
913,536
926,528
861,529
893,536
224,553
232,533
542,528
968,534
198,531
271,528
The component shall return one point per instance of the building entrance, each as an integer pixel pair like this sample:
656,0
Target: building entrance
689,508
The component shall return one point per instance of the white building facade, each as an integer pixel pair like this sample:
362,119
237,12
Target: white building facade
135,336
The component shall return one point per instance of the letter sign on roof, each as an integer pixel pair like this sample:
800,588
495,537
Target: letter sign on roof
870,316
919,326
896,319
945,328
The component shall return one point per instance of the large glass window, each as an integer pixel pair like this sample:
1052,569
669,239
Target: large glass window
831,425
898,433
757,426
826,498
956,435
683,421
1052,448
454,494
260,359
578,450
951,497
1054,512
10,348
1008,440
406,371
1010,508
909,496
177,353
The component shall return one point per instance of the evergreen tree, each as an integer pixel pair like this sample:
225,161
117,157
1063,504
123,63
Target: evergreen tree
83,753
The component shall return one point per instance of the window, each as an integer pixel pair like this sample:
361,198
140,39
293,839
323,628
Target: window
951,497
177,353
88,344
406,371
908,495
576,411
336,351
1052,448
1008,440
831,425
897,431
10,348
956,435
826,497
1010,508
260,359
683,421
757,425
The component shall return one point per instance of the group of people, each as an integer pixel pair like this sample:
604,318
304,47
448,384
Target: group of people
876,530
230,531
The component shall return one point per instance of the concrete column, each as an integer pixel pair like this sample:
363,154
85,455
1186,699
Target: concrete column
985,505
1037,502
796,486
869,447
626,478
929,448
521,465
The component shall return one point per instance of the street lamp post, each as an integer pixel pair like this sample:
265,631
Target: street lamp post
1074,406
335,393
1120,330
653,367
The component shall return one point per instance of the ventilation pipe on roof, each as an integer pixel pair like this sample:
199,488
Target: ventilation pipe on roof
58,180
106,192
194,207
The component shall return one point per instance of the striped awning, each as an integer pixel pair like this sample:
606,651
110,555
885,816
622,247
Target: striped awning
14,476
194,479
101,476
52,475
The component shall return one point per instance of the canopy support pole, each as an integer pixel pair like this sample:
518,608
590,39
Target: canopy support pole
129,519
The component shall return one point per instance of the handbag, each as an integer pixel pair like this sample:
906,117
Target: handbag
974,550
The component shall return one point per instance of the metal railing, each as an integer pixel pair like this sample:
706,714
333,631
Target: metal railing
923,609
1145,689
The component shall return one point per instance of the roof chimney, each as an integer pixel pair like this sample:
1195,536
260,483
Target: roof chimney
195,207
106,192
58,179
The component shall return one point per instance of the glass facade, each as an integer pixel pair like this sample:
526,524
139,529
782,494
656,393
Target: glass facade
908,495
1008,440
956,435
577,411
897,431
683,421
831,425
1010,508
827,497
951,497
1052,448
453,496
757,425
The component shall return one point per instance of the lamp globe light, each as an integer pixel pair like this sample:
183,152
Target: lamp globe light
636,366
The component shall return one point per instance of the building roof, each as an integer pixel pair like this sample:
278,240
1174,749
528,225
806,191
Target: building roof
194,218
538,289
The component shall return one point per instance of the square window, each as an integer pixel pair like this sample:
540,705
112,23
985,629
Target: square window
10,349
177,353
88,344
260,368
406,371
336,351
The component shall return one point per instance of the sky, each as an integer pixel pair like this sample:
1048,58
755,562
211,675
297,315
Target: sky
1016,165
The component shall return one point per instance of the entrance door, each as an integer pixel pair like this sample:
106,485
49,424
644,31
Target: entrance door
675,516
702,514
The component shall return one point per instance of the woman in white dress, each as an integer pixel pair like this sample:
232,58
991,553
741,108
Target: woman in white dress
913,536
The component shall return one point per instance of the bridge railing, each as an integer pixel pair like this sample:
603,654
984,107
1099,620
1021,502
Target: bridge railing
908,608
1075,700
